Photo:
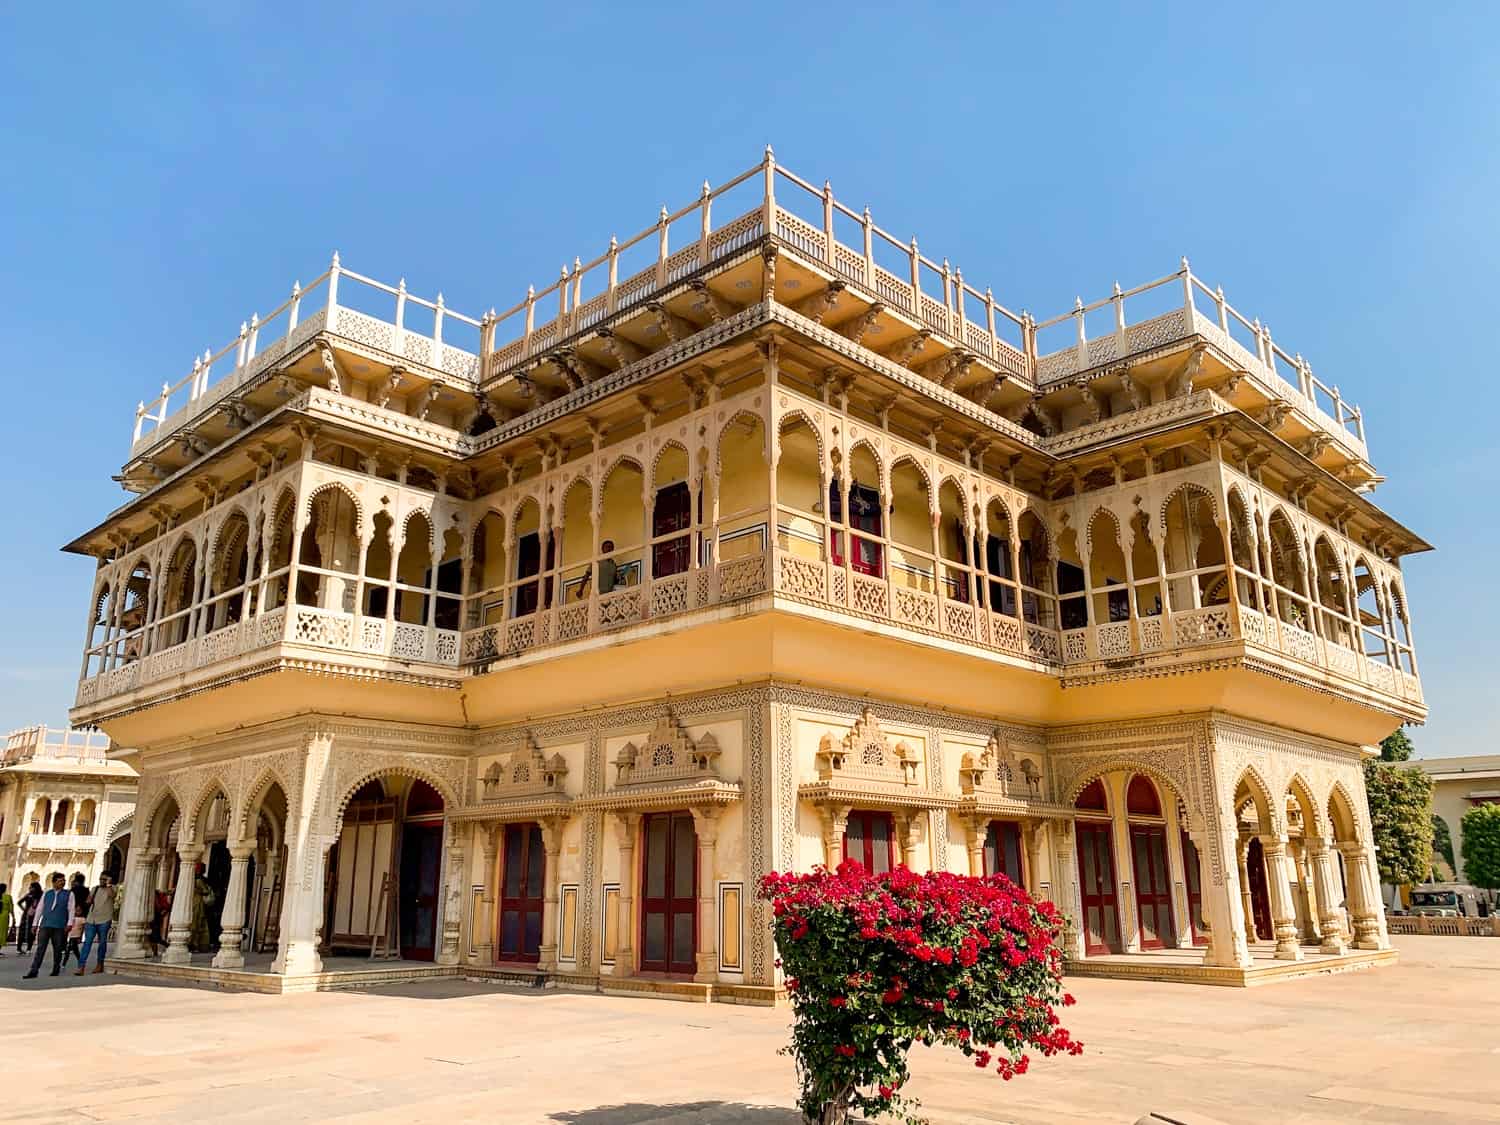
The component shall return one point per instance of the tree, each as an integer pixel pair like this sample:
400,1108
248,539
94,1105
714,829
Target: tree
1401,816
1396,747
876,963
1442,842
1480,829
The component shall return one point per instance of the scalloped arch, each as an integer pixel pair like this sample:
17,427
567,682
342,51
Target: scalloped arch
395,769
760,423
255,794
1181,489
1114,520
339,486
797,416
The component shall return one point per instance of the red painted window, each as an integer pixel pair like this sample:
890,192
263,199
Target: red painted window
869,839
864,515
1141,798
523,874
1093,798
669,897
1193,877
673,511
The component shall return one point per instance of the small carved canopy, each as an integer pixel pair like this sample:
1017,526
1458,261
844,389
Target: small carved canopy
524,772
668,754
866,752
997,771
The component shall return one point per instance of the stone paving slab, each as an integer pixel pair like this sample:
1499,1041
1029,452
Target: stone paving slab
1416,1041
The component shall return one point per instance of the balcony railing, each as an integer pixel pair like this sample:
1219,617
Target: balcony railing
62,842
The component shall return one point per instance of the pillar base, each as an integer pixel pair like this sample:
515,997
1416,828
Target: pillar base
1292,952
624,963
228,958
708,969
177,954
298,958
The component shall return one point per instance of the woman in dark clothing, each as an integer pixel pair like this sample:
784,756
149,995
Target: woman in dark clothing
26,935
80,892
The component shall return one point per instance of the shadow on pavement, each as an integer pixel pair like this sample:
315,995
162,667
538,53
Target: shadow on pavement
685,1113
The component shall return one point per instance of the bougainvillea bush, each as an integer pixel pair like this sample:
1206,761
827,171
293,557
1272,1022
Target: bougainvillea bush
876,963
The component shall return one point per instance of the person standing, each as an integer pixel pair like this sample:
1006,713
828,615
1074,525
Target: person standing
54,914
80,891
96,924
7,908
26,931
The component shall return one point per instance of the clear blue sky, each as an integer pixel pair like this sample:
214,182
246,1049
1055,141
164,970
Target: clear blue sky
172,168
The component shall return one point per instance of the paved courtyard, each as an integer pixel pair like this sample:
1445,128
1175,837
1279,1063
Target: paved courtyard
1420,1041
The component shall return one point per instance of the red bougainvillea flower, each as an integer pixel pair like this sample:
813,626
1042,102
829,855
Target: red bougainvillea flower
949,959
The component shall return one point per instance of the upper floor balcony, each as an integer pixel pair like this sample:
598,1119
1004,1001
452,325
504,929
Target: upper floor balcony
45,744
766,499
691,269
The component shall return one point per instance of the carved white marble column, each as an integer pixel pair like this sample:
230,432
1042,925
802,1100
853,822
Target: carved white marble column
627,829
180,928
975,828
302,909
835,821
232,926
552,844
1034,836
1068,902
907,834
1309,930
483,937
454,881
1223,900
1364,897
1330,913
135,911
1247,900
1283,913
706,828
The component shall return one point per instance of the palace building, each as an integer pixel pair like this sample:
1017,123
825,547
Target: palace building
526,644
66,805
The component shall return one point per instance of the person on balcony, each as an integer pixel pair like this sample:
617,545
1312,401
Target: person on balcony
609,572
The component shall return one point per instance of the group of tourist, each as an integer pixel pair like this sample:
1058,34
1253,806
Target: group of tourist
72,921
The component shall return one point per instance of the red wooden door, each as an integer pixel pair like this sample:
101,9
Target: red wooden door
1002,850
522,883
869,839
1260,900
671,512
864,515
1193,878
1096,888
669,899
1153,886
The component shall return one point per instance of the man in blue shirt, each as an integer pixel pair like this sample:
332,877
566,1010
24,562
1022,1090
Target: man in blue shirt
54,914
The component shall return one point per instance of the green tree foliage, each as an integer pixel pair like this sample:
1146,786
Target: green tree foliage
1396,747
1401,816
1442,841
1481,833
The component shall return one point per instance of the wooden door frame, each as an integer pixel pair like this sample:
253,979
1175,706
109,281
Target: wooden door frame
501,957
1145,831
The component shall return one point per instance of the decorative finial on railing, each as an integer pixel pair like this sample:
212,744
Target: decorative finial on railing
1185,267
401,285
254,321
867,212
614,244
439,301
207,356
1077,304
577,264
1117,290
297,288
914,245
662,217
530,292
707,191
335,259
564,273
827,188
244,329
770,154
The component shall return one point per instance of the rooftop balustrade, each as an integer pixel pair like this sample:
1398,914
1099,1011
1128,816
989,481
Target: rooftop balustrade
49,744
765,202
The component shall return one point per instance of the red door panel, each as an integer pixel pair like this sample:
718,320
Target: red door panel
669,897
1153,887
523,872
1193,877
1096,888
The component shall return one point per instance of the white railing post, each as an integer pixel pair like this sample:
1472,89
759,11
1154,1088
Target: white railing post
239,350
161,411
577,288
1223,308
562,302
989,321
437,333
1083,338
705,225
916,279
948,297
1118,299
1359,422
254,336
194,390
530,319
330,318
296,309
958,305
1187,288
661,246
1271,351
611,302
768,176
140,418
1260,340
400,341
869,250
1338,407
828,255
1305,379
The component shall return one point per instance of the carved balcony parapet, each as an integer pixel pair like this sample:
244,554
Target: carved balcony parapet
668,755
524,774
864,767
